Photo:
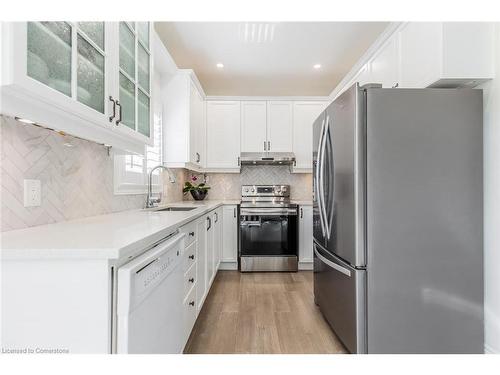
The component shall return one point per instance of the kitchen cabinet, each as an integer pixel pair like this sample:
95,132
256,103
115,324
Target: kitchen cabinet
446,54
229,256
266,126
197,131
223,136
384,67
217,220
305,237
77,292
279,126
184,135
429,54
201,270
304,114
254,126
87,79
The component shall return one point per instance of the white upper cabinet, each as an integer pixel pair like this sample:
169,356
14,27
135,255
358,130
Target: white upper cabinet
253,126
184,122
223,136
279,126
428,54
384,68
134,78
197,128
304,114
87,79
446,54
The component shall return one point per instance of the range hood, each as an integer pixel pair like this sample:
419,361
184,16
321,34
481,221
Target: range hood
267,158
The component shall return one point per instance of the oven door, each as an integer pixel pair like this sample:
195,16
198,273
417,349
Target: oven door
268,232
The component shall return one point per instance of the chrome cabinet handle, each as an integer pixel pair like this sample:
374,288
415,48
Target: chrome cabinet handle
239,161
198,157
191,280
216,217
191,303
191,256
301,212
114,109
268,145
191,234
119,113
234,212
209,223
265,146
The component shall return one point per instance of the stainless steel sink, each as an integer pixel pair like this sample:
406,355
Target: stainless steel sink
177,209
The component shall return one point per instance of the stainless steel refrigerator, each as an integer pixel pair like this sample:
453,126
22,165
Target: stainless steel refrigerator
398,219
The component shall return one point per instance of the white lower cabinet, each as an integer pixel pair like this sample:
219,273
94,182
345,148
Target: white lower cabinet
305,237
201,285
229,256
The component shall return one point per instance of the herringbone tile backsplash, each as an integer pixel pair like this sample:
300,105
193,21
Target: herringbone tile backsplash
77,180
228,185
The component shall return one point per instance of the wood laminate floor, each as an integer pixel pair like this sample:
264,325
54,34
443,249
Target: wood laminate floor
262,313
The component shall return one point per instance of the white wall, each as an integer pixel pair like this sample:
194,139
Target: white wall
492,206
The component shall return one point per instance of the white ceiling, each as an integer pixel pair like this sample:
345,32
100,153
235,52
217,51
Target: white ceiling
268,58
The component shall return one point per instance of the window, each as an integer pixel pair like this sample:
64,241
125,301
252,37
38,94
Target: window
131,171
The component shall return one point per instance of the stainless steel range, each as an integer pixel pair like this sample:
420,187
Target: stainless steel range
268,229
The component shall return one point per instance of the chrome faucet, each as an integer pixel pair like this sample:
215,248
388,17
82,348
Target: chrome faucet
150,201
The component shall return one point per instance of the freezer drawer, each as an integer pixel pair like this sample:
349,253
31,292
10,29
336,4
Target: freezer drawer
339,291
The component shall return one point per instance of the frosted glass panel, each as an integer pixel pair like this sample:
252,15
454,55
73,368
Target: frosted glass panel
90,76
49,54
143,33
143,69
143,114
95,31
127,101
127,50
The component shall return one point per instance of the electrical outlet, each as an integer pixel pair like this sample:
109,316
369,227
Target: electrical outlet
32,193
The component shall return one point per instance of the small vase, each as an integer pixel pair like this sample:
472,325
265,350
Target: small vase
199,195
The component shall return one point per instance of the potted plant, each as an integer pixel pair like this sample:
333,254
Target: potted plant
198,192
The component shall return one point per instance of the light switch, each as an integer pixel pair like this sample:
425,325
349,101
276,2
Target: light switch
32,193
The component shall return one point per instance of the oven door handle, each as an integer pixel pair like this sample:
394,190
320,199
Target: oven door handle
269,211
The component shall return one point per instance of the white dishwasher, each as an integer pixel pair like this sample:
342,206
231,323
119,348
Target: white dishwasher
149,300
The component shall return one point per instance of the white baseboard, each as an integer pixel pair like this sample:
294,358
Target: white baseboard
228,266
305,266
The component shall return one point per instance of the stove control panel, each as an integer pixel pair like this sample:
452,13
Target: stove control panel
265,191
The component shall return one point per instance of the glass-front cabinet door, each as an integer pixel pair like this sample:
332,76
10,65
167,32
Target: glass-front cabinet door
135,76
88,79
72,59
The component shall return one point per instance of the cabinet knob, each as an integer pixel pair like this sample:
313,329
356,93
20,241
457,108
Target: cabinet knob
191,234
191,256
191,280
191,303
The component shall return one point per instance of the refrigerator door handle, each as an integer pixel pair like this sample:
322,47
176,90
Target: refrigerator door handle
329,211
318,182
329,263
321,192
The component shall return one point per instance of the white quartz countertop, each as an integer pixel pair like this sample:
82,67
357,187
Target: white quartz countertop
113,236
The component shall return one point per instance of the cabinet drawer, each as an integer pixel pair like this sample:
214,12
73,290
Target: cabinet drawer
189,279
189,256
190,230
190,310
